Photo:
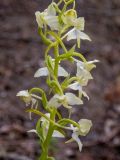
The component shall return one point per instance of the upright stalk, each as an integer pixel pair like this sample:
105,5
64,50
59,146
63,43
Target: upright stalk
44,154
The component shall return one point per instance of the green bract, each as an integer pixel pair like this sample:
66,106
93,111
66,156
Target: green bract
55,24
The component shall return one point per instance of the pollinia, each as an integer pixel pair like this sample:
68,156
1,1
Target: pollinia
56,25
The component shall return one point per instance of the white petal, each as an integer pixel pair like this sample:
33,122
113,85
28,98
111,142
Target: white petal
57,134
85,126
52,22
39,19
72,99
51,10
32,131
53,102
62,72
83,36
85,95
80,64
41,72
23,93
94,61
90,65
76,138
75,86
83,73
71,34
79,23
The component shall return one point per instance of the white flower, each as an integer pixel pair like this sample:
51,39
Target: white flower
45,126
89,65
29,99
25,96
48,17
66,100
83,71
44,72
76,86
85,126
76,32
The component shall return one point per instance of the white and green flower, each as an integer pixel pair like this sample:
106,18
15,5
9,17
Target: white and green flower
84,127
29,99
89,65
77,34
66,100
77,87
83,71
70,18
25,96
48,17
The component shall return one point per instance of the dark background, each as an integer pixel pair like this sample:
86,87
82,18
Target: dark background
22,53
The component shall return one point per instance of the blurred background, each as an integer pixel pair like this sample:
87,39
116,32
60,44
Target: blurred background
22,53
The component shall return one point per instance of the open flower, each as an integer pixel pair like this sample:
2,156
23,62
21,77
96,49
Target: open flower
44,72
77,34
29,99
89,65
45,125
83,71
70,18
66,100
48,17
85,126
25,96
77,87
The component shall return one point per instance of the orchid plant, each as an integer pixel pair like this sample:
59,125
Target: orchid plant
56,24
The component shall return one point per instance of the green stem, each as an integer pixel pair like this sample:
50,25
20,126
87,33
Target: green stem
56,61
46,143
58,86
44,38
72,79
58,40
70,54
49,47
51,121
68,121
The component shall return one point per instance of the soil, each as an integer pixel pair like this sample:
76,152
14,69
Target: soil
22,53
